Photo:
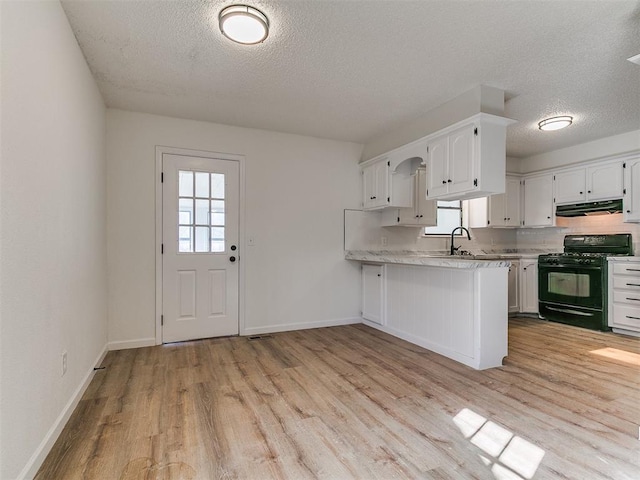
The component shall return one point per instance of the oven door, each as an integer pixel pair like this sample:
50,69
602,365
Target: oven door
580,286
572,294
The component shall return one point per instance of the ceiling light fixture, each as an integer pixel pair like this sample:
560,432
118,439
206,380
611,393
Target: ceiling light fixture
243,24
555,123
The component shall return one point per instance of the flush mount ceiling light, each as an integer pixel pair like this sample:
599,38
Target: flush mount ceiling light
555,123
243,24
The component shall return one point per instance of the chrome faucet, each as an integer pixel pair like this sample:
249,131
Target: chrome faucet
453,249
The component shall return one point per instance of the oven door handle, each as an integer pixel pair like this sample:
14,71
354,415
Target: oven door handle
579,268
571,311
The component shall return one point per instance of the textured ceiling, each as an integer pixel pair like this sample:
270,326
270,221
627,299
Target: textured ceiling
351,70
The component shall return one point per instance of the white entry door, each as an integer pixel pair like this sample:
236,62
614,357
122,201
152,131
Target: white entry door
200,219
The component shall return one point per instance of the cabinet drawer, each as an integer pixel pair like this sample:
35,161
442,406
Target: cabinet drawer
632,298
625,282
625,316
626,268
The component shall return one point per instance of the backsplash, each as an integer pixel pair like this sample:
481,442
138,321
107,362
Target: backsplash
595,224
363,232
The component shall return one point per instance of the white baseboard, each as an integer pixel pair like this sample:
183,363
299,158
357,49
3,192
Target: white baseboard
137,343
300,326
35,462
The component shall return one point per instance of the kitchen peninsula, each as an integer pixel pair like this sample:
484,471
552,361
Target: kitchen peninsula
452,305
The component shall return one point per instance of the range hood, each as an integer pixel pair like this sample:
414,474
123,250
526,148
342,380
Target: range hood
589,208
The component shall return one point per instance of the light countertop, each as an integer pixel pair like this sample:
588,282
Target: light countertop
427,259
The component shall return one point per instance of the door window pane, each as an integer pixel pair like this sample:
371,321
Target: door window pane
202,185
202,212
217,239
217,185
185,240
202,239
217,212
185,211
185,182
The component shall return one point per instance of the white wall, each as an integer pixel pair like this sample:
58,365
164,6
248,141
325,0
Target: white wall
296,190
52,237
479,99
603,147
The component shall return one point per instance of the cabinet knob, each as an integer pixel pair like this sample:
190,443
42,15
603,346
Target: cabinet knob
580,193
588,191
421,216
379,274
548,218
444,182
525,268
417,216
449,181
628,211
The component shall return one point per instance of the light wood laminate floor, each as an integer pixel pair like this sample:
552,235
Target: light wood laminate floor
352,402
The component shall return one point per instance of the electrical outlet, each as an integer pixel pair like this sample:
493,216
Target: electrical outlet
384,241
64,363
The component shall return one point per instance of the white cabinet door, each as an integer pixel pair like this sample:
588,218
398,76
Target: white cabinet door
382,183
512,203
437,166
497,205
375,185
570,186
368,186
462,156
514,287
529,286
538,201
423,213
631,199
605,182
427,210
373,293
504,208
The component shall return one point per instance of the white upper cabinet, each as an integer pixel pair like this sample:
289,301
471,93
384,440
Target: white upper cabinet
422,214
570,187
387,181
601,181
375,182
467,160
501,210
631,199
538,205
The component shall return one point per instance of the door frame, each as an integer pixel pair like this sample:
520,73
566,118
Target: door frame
160,151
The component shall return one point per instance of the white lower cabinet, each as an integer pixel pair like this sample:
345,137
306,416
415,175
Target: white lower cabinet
624,296
457,312
529,286
514,287
631,197
373,292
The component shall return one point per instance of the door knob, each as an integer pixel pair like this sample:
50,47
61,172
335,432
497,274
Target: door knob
232,259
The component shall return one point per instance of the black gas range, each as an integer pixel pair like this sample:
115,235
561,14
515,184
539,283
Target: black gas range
572,286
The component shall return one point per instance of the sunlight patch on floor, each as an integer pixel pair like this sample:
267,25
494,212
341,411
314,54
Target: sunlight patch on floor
512,457
617,354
